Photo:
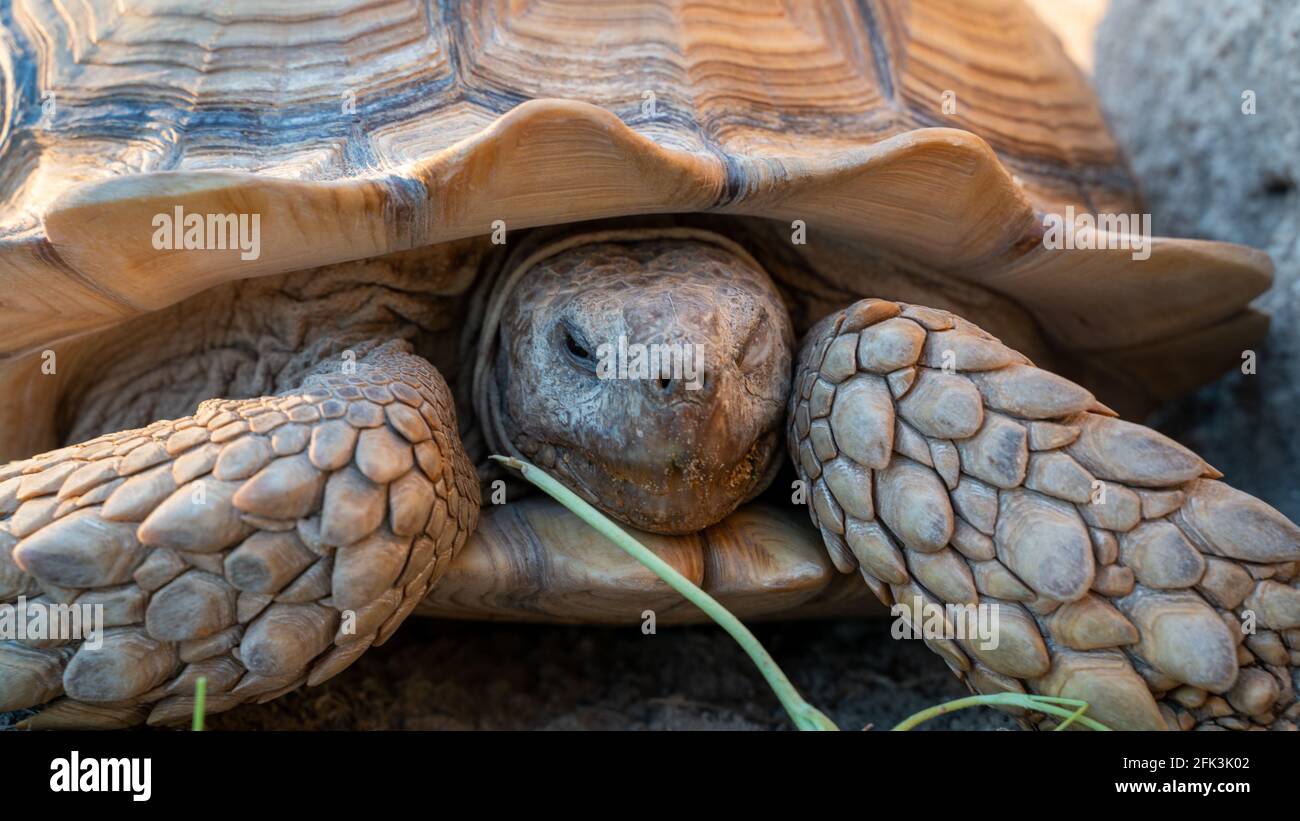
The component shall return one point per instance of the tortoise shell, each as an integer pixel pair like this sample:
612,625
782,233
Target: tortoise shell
935,132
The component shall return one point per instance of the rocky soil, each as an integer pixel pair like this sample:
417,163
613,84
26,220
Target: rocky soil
1171,75
446,675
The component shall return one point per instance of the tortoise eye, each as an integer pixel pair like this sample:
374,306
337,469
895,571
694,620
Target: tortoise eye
759,347
577,349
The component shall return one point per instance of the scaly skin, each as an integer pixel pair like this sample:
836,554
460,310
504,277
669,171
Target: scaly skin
976,486
234,543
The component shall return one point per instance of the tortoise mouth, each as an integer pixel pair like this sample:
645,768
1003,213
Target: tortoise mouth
672,500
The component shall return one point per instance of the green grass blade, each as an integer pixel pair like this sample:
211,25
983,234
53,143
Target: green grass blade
1043,704
804,715
200,703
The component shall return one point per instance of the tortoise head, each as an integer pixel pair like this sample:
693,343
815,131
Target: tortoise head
651,376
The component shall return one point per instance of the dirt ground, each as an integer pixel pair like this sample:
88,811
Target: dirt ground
437,675
444,675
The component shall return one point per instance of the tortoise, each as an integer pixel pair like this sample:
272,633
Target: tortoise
319,213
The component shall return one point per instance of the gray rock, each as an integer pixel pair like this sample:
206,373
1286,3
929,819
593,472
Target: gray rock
1171,75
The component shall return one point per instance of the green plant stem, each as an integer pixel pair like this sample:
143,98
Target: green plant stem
804,715
200,702
1043,704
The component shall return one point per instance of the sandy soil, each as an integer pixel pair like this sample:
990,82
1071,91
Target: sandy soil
448,675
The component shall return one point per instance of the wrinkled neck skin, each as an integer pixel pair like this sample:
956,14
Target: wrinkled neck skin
650,376
261,336
573,387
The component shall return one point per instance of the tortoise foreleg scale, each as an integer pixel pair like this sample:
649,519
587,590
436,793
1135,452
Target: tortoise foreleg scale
263,543
950,471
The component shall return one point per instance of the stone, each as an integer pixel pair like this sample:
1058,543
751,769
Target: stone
1170,75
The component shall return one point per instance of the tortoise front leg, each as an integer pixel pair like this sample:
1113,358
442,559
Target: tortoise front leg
952,471
263,543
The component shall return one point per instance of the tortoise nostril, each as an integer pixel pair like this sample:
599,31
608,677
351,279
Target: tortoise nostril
680,386
1278,185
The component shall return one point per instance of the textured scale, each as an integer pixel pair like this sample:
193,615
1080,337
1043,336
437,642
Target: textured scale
221,555
1123,571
